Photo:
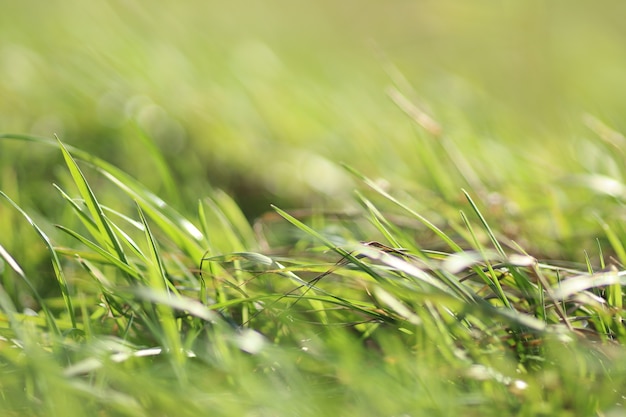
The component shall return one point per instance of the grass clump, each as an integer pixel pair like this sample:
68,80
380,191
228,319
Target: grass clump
465,264
381,312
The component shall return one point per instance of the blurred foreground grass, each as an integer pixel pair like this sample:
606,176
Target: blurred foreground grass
518,103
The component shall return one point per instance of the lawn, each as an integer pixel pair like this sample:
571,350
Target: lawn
310,209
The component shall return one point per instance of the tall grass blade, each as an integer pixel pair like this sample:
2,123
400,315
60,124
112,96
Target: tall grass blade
422,219
5,300
379,221
106,234
236,218
491,278
56,265
615,241
84,217
182,232
106,255
347,255
159,283
490,233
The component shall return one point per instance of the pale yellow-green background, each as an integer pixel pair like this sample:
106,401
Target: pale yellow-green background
263,98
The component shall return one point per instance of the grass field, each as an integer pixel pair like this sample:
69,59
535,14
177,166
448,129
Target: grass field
311,209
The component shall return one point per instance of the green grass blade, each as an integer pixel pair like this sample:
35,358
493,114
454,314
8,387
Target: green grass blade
311,232
162,169
231,240
84,217
56,265
254,257
182,232
158,277
379,221
180,303
491,278
5,300
92,227
422,219
106,234
615,242
106,255
574,285
159,283
236,218
204,225
492,237
407,268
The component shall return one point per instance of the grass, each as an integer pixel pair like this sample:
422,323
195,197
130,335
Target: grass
391,210
155,313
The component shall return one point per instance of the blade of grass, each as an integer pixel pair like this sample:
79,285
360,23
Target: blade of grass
106,235
615,242
158,158
92,227
340,251
182,232
406,267
84,217
56,265
236,218
379,221
548,289
204,225
127,269
232,241
159,283
257,258
492,237
422,219
491,278
5,300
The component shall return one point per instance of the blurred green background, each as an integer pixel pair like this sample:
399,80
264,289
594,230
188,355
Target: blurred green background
264,99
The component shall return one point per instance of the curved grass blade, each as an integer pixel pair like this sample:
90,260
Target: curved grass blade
56,265
87,221
106,234
158,276
492,237
182,232
346,255
379,221
159,283
231,238
409,269
397,306
615,241
106,255
158,159
204,225
5,300
180,303
308,284
91,226
235,217
490,279
422,219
